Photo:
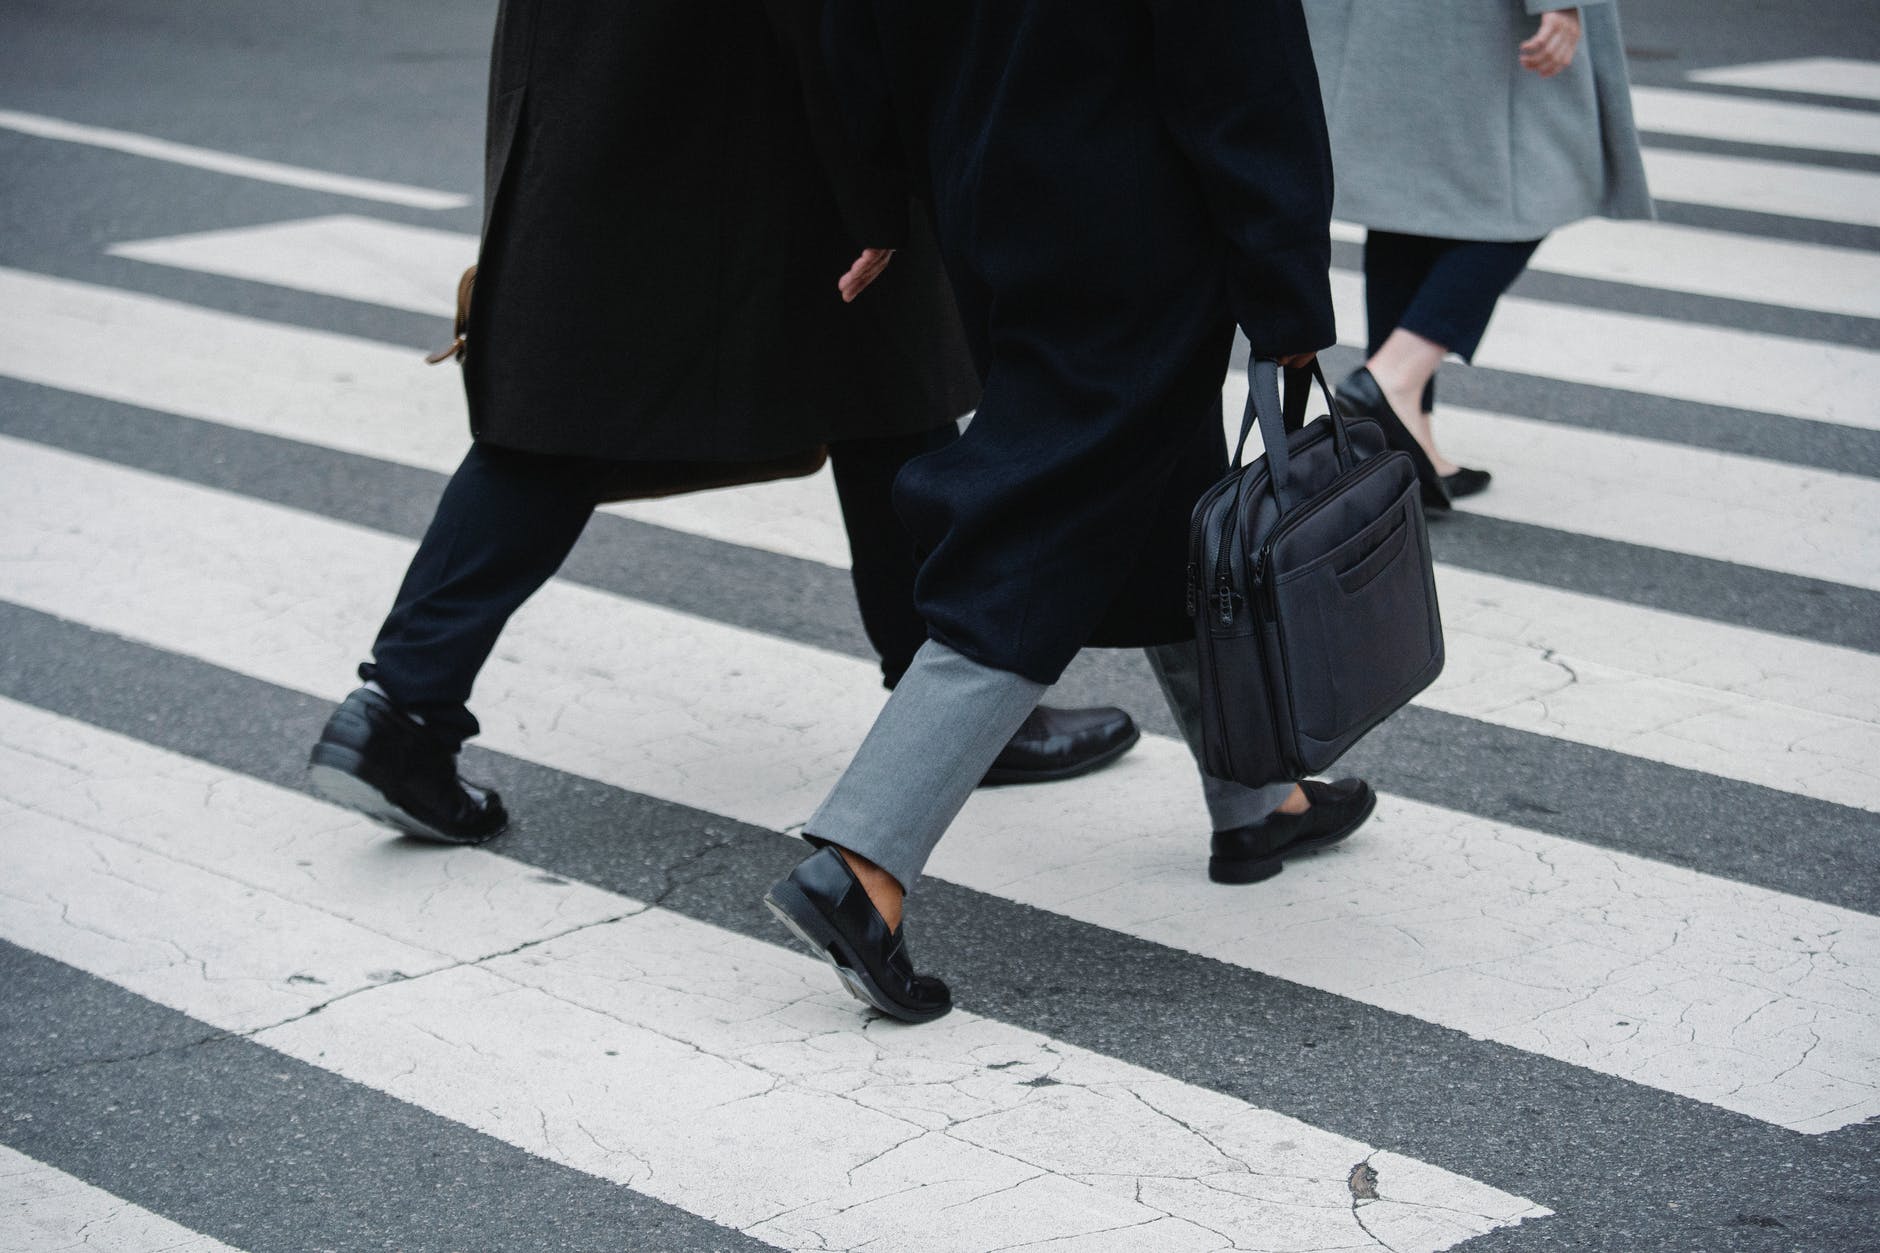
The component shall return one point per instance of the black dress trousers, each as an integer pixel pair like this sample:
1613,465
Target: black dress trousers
508,519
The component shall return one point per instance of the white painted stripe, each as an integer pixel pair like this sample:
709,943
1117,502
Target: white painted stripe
1703,262
1508,934
1783,188
381,402
43,1210
1821,76
1732,508
229,163
1629,352
717,1073
802,518
364,259
1813,523
1707,115
332,390
416,268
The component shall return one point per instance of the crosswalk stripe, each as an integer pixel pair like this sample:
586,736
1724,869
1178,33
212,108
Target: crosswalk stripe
677,707
229,163
43,1210
1708,115
357,258
1630,352
1668,257
1615,487
801,518
1626,352
1820,76
376,400
1729,508
1533,685
1781,188
413,268
1724,506
714,1072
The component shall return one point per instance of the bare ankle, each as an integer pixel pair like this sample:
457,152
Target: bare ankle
1296,802
884,890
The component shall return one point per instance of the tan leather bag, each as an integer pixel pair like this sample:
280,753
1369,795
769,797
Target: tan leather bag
646,480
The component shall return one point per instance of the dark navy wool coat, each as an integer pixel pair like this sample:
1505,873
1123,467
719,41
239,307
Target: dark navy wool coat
670,197
1114,183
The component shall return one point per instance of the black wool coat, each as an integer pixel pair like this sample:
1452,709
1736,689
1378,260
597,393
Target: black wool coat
670,198
1114,184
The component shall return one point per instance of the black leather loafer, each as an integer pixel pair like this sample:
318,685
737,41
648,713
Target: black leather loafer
1359,396
373,759
825,906
1250,854
1466,482
1063,743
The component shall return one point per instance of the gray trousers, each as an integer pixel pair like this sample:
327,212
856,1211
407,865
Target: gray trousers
943,725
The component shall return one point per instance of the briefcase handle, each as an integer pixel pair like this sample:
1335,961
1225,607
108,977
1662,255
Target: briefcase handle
1276,421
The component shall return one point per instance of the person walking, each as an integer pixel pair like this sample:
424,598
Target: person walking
1463,132
677,239
1115,184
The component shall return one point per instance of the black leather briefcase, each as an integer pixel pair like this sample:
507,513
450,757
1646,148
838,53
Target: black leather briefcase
1311,588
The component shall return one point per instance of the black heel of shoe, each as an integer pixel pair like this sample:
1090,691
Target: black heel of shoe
1360,397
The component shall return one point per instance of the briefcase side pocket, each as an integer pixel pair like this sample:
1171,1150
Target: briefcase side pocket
1355,632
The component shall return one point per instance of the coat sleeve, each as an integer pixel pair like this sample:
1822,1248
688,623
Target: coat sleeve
1240,95
872,197
1537,7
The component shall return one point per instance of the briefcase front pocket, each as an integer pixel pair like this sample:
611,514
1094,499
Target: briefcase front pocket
1357,632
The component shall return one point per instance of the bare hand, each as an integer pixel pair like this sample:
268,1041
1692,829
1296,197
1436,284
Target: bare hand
1551,50
867,269
1298,361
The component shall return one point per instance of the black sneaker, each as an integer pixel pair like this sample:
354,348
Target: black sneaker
379,762
1250,854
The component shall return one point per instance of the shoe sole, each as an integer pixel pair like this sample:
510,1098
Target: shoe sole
333,774
996,777
1254,870
806,923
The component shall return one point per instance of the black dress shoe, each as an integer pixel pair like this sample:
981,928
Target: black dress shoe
825,906
1359,396
1250,854
1466,482
378,761
1062,743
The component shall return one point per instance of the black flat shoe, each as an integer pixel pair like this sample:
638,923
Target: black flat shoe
1359,396
1466,482
825,906
1250,854
1063,743
377,761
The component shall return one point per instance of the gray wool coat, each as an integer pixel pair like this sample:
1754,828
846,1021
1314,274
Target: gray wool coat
1437,130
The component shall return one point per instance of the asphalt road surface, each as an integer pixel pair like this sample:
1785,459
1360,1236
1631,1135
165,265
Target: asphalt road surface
1603,973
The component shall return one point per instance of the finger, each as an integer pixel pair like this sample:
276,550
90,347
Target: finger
857,276
864,272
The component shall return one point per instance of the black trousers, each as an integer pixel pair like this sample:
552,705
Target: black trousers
1442,289
507,521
